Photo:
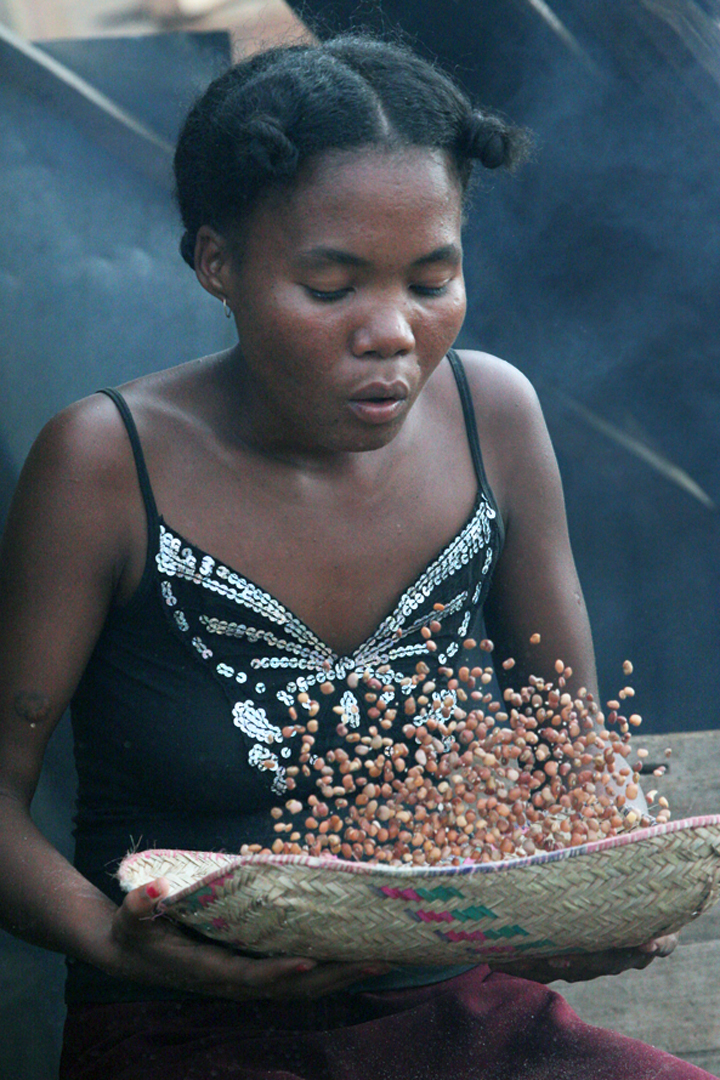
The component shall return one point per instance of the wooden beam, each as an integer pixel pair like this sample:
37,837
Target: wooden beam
74,98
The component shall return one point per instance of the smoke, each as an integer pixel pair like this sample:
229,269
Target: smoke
597,272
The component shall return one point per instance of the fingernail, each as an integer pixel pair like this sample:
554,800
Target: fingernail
306,965
152,892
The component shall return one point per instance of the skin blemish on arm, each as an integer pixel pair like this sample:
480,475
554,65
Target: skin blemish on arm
31,706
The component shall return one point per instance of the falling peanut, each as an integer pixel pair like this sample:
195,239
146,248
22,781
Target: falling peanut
440,773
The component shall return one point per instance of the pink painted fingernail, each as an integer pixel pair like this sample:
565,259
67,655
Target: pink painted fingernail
152,892
306,965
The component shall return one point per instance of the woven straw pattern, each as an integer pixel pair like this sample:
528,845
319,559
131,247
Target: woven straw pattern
612,893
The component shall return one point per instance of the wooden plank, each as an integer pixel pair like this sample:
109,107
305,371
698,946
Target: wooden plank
692,784
672,1004
692,787
709,1061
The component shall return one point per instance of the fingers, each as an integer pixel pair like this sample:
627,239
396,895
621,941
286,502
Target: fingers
587,966
661,946
299,978
330,978
246,977
141,902
150,943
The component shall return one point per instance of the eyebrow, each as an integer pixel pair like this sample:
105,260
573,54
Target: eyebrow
449,253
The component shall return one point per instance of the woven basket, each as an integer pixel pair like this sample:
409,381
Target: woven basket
612,893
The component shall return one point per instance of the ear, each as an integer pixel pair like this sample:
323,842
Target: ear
212,261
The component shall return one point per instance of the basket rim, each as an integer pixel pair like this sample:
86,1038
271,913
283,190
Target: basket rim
228,864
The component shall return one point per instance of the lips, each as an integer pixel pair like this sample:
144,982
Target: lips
380,402
381,392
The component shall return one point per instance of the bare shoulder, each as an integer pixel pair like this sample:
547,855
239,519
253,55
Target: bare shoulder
181,388
90,438
83,446
77,497
499,389
517,452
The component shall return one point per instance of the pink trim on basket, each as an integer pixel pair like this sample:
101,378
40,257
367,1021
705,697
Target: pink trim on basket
243,887
432,916
400,894
474,935
342,866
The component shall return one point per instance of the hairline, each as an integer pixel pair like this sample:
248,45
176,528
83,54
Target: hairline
304,175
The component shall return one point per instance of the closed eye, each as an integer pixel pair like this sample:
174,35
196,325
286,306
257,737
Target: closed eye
430,290
327,297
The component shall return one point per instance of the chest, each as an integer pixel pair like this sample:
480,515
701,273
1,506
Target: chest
336,552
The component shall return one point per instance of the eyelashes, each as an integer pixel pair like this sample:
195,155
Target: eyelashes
333,295
327,297
430,290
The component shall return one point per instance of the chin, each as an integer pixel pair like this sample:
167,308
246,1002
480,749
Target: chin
359,442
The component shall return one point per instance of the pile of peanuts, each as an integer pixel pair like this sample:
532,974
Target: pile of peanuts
451,775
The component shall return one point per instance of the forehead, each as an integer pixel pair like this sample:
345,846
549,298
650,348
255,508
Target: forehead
368,199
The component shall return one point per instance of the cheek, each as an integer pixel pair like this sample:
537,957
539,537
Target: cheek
288,337
302,354
449,318
459,307
292,317
459,297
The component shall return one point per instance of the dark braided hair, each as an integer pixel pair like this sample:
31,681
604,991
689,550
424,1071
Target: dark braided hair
257,124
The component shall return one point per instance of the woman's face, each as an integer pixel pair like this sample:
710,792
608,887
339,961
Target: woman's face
347,293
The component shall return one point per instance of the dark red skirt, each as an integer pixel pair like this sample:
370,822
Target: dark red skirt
478,1026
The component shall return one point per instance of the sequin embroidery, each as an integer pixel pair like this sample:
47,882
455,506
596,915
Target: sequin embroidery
237,628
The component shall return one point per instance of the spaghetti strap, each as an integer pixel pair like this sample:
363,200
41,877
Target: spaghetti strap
151,513
472,432
142,473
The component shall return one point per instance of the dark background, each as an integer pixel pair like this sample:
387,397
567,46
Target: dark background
93,292
596,270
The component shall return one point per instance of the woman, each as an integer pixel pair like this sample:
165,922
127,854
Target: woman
185,559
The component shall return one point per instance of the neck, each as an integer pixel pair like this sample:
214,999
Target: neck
250,419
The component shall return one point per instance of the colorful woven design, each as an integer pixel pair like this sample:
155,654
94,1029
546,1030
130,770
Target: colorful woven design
612,893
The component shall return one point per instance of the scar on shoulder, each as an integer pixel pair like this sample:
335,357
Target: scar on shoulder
32,706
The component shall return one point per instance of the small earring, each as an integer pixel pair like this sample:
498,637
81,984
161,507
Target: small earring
226,309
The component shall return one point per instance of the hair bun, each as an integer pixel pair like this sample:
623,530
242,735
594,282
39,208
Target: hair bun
268,147
495,151
486,139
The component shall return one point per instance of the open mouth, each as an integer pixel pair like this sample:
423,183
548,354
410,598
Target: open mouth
377,410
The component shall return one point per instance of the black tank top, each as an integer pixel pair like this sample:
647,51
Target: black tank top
179,717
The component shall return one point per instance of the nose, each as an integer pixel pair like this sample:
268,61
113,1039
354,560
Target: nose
385,331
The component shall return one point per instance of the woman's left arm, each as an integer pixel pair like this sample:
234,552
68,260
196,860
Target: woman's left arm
535,588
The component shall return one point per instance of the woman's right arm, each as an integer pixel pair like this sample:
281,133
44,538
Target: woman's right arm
75,531
59,561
